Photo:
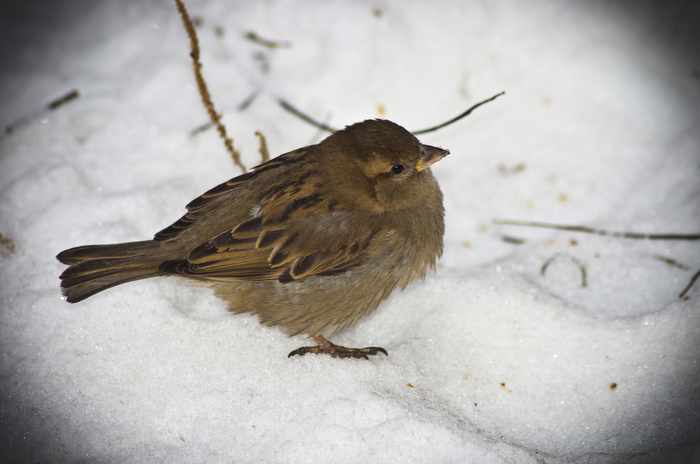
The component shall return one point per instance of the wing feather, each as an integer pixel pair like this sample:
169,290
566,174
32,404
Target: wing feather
296,232
199,208
284,254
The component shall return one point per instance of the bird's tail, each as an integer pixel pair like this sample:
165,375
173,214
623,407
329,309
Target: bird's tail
94,268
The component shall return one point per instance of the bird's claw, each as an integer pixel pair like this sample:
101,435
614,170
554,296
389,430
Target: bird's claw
337,351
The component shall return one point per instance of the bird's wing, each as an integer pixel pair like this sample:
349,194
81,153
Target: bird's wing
297,232
256,251
203,205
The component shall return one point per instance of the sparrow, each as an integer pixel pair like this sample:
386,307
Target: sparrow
311,241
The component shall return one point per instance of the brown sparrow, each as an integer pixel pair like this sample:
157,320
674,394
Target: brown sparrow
312,240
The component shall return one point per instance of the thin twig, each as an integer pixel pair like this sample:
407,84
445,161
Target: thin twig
272,44
202,85
72,95
582,267
284,104
199,129
240,107
264,153
692,281
591,230
672,262
248,101
513,240
51,106
456,118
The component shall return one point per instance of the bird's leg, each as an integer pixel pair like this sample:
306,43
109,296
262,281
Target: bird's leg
336,351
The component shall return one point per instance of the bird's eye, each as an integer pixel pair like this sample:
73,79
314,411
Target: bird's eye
397,168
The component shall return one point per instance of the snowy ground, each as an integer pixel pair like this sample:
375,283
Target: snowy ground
489,361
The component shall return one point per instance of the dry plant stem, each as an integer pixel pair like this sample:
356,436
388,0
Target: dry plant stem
690,284
591,230
264,153
248,101
287,106
458,117
582,267
202,85
272,44
51,106
672,262
72,95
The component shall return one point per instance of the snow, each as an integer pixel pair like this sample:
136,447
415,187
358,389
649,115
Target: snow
490,361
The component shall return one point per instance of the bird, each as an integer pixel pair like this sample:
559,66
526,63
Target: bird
311,241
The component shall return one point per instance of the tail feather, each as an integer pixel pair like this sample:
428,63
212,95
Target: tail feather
117,250
95,268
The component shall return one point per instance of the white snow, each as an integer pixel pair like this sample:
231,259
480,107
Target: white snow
489,360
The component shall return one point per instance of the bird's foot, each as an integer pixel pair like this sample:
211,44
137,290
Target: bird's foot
336,351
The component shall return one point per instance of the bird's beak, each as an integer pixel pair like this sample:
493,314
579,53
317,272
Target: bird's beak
430,156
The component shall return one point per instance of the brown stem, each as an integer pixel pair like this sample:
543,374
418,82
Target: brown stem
202,85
